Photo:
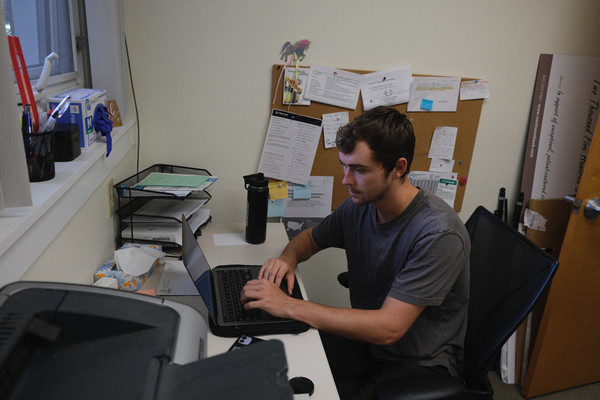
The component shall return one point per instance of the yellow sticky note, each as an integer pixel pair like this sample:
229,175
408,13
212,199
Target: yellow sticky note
278,190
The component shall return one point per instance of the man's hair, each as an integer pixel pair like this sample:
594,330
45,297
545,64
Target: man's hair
387,132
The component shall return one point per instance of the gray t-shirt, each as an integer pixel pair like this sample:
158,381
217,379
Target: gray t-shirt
420,257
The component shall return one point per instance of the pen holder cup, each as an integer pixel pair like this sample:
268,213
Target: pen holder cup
39,153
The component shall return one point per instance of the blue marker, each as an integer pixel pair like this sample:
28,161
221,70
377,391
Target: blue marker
27,128
26,121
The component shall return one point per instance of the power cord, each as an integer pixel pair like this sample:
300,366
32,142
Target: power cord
137,116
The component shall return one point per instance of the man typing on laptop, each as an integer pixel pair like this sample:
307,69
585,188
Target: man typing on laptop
220,289
408,259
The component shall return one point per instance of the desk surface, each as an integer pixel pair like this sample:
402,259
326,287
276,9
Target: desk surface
304,351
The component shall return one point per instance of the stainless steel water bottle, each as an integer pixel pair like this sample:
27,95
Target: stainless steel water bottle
256,208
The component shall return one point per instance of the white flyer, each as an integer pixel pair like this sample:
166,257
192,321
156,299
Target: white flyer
319,203
443,142
333,86
477,89
331,123
386,88
433,93
290,147
442,184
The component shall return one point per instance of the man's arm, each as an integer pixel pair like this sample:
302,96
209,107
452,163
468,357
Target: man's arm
299,249
384,326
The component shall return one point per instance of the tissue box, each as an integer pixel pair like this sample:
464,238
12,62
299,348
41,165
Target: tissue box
81,112
126,281
107,282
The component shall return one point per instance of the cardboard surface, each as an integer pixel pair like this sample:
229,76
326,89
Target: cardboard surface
564,112
557,212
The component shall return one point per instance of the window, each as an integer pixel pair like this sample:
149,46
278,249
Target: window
56,203
44,27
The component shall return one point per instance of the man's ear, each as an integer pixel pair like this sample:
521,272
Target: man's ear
400,168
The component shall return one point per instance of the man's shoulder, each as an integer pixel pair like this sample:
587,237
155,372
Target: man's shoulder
344,218
435,211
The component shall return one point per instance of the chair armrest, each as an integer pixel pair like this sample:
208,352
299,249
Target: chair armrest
421,387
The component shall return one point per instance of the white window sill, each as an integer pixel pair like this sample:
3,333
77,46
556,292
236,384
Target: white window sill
26,231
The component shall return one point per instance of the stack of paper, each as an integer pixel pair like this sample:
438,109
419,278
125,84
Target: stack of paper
162,231
160,218
159,211
179,185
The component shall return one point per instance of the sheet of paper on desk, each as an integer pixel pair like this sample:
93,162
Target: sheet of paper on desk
199,218
170,232
196,220
170,209
229,239
179,185
146,192
192,182
175,280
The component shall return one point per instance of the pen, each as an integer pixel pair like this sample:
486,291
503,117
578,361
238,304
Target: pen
61,107
56,114
26,121
518,209
505,219
501,203
27,130
48,125
26,126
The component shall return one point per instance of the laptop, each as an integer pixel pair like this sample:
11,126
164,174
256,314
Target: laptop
220,289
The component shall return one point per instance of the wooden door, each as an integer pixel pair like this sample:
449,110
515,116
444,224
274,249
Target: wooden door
567,348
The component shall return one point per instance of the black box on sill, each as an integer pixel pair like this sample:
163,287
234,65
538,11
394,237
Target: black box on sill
66,142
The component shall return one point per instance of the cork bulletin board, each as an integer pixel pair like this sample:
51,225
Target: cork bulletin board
466,119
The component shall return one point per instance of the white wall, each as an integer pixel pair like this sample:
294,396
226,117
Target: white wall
202,72
202,76
88,240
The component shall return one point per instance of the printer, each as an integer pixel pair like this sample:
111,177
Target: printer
67,341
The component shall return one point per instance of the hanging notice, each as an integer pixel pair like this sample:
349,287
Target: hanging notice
333,86
290,147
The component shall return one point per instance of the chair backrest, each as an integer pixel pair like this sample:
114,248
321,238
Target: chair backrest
508,274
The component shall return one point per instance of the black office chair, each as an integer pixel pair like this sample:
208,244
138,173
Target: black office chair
508,275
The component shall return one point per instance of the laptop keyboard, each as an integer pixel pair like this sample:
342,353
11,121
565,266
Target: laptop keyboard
231,282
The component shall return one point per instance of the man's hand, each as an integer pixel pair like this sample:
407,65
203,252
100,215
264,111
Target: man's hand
299,249
384,326
275,270
266,295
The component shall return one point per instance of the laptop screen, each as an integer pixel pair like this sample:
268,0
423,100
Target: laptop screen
197,266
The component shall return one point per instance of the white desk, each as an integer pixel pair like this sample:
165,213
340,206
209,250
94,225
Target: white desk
304,351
